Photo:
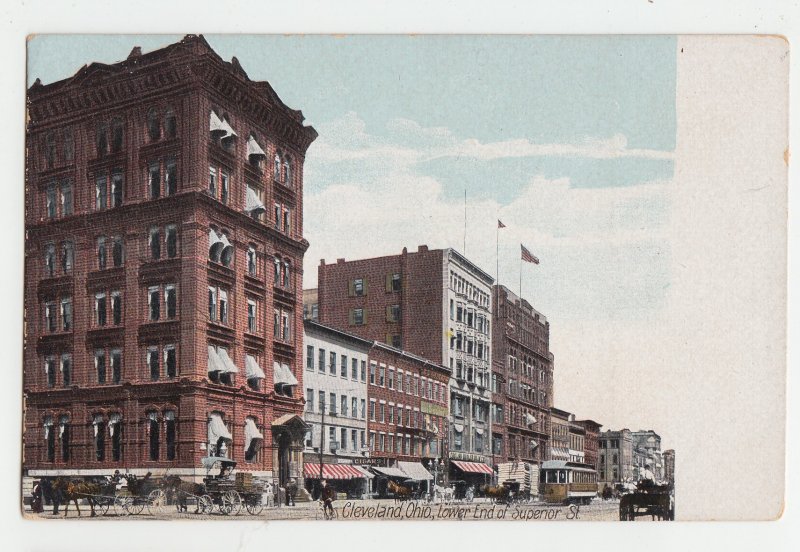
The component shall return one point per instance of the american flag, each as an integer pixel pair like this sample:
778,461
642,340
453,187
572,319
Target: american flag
500,224
527,256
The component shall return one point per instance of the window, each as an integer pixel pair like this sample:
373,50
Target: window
116,365
101,253
117,251
343,366
457,440
217,305
171,232
116,135
212,181
66,314
153,125
395,341
67,200
363,371
170,300
354,407
372,409
309,400
354,369
395,282
64,437
100,310
383,412
357,317
67,256
66,370
332,404
101,195
372,369
115,430
170,361
50,260
251,261
170,176
363,409
353,439
343,405
382,376
50,316
100,365
224,186
154,303
358,287
286,319
169,431
50,370
332,363
152,363
153,434
170,124
391,378
252,316
117,188
154,243
223,306
50,150
50,201
322,360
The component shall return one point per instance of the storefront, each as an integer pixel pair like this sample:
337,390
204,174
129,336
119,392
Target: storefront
344,478
475,474
417,472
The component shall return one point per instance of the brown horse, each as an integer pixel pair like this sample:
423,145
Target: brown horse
400,492
498,493
181,490
74,490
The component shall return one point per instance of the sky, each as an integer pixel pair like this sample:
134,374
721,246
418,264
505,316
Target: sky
570,141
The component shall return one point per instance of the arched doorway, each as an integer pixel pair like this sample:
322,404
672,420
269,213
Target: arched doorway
288,432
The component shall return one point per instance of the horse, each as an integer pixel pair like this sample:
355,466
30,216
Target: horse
497,493
73,490
400,492
181,490
444,494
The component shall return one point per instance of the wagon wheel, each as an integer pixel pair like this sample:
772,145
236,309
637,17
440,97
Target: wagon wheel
205,505
136,506
156,502
231,503
253,506
121,505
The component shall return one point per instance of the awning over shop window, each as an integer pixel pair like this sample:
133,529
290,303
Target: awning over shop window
415,470
332,471
251,432
473,467
251,368
391,472
217,429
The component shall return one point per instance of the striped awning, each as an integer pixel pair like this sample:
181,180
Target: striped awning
473,467
332,471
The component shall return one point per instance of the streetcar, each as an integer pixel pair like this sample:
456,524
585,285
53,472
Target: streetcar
563,482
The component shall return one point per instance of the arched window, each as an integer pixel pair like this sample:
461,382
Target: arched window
99,437
116,135
50,438
287,170
153,435
153,125
226,255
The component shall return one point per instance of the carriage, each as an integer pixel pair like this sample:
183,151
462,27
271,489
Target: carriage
129,498
226,491
520,479
649,499
462,491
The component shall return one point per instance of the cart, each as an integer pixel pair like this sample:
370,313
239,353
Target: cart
228,492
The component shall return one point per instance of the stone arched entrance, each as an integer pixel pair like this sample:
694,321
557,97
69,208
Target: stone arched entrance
288,433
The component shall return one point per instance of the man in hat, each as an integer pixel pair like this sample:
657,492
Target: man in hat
327,495
291,492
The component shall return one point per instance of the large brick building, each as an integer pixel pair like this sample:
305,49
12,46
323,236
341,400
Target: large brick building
163,268
522,380
591,442
435,304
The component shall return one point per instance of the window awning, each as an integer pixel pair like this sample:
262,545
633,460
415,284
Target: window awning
534,444
220,127
217,429
473,467
253,204
529,419
478,431
214,362
251,432
283,375
458,428
228,364
391,472
254,149
251,368
215,244
415,470
333,471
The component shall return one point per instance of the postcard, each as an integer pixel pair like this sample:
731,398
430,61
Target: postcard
429,278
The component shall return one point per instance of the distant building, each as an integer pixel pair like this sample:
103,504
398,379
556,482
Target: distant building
435,304
577,439
616,457
522,380
647,454
669,466
591,442
559,434
311,304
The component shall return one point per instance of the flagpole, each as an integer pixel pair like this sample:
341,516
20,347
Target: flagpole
520,277
497,255
465,221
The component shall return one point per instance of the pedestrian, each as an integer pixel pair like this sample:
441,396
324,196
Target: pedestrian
327,494
291,492
57,494
37,506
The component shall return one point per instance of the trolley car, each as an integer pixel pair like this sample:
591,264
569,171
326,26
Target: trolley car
567,482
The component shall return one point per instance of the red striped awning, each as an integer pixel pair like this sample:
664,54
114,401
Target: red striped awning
473,467
332,471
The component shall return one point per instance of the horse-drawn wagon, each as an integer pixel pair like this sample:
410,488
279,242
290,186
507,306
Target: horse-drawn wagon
226,491
127,494
649,499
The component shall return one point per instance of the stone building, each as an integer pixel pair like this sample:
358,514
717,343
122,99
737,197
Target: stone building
522,380
163,269
616,457
669,466
435,304
647,454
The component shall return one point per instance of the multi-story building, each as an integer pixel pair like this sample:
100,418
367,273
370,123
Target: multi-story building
559,434
616,457
310,305
647,455
406,416
163,269
335,382
522,380
669,466
408,300
591,442
577,439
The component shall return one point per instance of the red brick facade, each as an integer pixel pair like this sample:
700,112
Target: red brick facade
422,396
131,125
591,442
522,387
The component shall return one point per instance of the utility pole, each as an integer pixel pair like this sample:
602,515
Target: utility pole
321,438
